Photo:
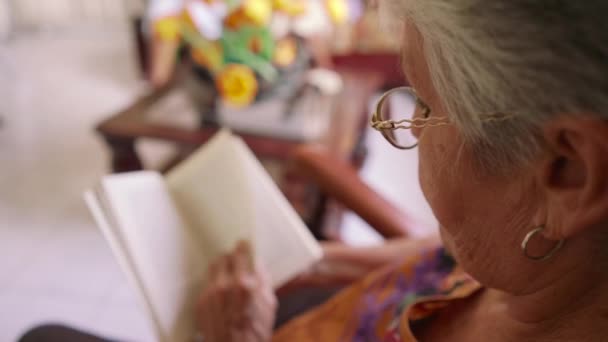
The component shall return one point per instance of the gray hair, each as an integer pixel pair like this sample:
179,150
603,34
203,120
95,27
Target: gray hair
533,59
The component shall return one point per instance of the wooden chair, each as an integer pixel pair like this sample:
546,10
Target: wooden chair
339,180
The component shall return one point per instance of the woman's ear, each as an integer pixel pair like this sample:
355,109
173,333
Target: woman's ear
574,175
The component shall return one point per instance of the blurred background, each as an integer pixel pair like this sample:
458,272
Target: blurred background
78,101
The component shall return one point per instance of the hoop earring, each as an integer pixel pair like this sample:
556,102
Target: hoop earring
549,255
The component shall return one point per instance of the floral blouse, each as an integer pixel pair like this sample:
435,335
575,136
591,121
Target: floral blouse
382,306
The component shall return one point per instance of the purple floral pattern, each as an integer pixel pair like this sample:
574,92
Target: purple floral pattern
395,291
381,306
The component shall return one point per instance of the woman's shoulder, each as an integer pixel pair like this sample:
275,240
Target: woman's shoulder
374,306
436,282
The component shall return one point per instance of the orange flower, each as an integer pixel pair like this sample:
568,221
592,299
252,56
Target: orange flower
237,85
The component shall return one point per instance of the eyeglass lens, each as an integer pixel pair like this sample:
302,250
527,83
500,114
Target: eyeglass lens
400,105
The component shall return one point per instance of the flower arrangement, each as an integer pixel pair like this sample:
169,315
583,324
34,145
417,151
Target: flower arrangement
242,43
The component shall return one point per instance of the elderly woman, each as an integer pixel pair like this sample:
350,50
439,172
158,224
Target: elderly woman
510,117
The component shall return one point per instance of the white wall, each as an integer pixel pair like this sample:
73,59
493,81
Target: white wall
5,23
41,14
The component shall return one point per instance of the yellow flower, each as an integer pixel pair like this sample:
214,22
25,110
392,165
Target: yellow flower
338,10
290,7
258,11
167,28
285,52
237,85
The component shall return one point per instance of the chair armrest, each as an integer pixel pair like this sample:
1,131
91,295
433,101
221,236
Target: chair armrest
338,179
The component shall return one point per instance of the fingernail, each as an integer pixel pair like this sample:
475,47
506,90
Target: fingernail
243,246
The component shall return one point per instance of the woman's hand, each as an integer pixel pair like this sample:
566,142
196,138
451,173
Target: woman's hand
331,271
238,303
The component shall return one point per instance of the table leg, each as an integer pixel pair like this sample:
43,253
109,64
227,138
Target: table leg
124,155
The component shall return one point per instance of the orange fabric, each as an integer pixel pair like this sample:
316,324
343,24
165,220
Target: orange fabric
381,306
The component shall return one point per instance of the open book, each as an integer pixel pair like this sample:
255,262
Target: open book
165,230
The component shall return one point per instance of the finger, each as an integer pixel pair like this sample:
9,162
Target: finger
263,321
219,271
243,261
244,256
262,274
216,299
217,266
210,321
245,288
242,285
243,246
263,303
220,283
266,303
261,330
244,276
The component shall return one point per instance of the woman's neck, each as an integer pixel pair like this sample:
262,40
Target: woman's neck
575,305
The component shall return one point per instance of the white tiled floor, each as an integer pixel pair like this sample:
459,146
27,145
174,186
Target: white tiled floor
54,264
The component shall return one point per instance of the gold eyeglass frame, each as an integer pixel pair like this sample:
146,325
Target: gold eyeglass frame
386,126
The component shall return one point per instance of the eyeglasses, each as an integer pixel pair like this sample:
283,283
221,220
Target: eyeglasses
397,112
400,110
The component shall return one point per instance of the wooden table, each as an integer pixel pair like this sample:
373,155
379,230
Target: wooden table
385,63
344,137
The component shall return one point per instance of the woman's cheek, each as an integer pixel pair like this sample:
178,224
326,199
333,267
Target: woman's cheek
430,177
425,161
443,185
